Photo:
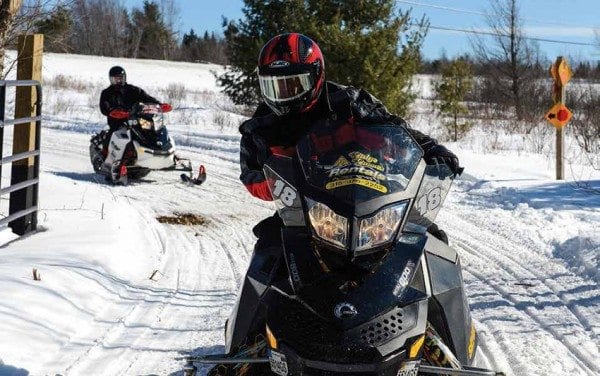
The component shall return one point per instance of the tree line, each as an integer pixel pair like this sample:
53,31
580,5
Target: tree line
375,46
108,28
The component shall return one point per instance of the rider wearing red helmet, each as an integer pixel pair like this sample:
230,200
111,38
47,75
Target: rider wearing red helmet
291,74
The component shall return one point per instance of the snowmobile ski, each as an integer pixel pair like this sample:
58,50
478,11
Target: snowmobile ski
198,180
224,359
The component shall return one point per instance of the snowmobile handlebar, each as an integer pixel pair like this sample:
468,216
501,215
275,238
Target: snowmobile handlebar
121,114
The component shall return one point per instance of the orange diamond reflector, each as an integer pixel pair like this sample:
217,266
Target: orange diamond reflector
559,115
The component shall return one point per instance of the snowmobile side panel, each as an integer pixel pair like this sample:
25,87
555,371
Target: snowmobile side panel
303,266
445,275
261,272
449,311
118,142
441,249
155,161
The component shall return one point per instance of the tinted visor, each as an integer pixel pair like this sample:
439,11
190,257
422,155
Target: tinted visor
283,88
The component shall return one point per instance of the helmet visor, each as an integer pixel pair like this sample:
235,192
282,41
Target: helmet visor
284,88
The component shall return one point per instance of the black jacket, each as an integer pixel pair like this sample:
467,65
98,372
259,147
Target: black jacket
336,106
124,97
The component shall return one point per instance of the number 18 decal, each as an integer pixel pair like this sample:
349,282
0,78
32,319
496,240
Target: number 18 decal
285,193
430,200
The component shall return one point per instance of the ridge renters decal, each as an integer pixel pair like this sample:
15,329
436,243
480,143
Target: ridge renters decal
362,169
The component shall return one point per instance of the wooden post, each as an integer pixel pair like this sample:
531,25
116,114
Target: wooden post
559,115
29,67
560,143
14,5
558,97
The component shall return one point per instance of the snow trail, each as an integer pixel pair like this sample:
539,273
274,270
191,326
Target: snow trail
530,280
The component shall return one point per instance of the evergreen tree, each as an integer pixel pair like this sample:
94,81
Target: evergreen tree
56,28
209,48
152,38
368,46
457,80
189,39
189,46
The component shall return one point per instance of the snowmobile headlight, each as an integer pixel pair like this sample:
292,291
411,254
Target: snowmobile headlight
381,227
329,226
144,123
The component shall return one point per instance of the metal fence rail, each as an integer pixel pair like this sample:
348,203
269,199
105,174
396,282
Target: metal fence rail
22,215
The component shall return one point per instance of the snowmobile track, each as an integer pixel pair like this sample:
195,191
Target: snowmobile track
583,358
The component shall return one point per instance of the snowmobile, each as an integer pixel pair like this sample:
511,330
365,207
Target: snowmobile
141,145
361,287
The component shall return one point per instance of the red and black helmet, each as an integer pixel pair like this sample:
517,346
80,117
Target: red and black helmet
291,73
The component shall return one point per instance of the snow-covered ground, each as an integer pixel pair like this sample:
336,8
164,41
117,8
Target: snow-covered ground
124,294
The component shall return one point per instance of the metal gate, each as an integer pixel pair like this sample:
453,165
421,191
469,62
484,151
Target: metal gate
23,190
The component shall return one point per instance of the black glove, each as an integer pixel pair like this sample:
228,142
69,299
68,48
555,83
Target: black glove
438,154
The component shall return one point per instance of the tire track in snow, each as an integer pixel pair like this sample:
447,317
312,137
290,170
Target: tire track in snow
528,276
211,243
529,266
496,358
467,247
114,338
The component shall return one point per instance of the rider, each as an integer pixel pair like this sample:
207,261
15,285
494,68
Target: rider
121,95
291,74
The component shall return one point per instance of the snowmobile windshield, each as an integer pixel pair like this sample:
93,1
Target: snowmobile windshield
357,163
150,116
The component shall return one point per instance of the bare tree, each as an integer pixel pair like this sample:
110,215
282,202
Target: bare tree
510,55
171,18
8,11
101,27
585,123
21,17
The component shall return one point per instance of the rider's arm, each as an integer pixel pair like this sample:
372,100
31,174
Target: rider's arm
434,152
370,109
145,97
105,106
252,175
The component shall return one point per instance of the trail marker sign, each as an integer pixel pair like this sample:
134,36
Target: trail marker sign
559,115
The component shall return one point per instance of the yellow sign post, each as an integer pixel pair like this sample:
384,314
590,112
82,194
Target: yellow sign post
559,115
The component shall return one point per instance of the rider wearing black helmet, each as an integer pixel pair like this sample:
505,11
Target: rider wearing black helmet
121,95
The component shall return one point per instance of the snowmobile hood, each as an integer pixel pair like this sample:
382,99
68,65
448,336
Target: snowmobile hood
347,302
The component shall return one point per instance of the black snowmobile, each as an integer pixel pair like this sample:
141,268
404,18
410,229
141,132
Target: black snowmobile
360,288
141,145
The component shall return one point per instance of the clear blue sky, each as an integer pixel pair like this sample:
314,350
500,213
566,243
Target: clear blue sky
564,20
